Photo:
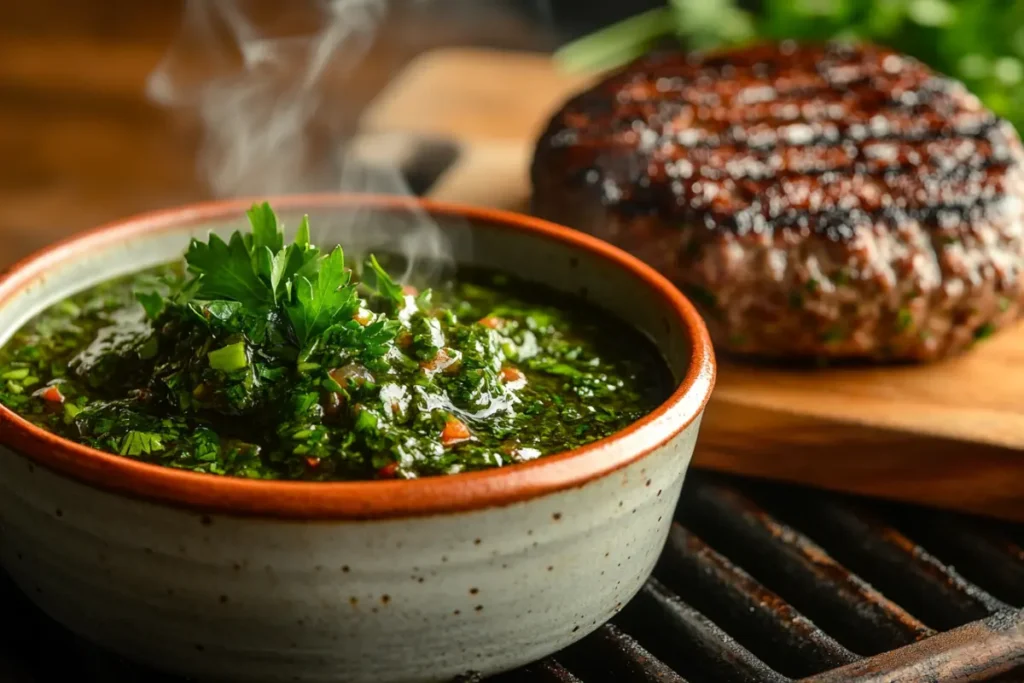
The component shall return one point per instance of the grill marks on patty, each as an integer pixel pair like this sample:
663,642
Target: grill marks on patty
821,138
827,200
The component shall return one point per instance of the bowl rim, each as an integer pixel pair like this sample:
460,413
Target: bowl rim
359,500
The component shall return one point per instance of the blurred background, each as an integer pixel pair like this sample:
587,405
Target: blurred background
114,107
83,141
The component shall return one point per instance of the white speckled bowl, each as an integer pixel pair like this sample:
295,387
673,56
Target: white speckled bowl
232,579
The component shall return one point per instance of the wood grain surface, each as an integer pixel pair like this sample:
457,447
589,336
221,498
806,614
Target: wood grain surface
949,434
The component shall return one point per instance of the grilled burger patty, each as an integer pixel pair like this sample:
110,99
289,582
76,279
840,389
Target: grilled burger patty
817,200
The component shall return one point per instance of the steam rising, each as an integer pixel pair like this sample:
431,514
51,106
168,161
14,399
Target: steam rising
266,82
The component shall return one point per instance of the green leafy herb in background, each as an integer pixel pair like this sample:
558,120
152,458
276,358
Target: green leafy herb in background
980,42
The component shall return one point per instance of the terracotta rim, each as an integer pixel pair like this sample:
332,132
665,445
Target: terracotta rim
371,499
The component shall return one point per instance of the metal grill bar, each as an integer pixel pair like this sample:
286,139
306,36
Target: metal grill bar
792,565
689,641
758,618
893,563
985,554
544,671
608,654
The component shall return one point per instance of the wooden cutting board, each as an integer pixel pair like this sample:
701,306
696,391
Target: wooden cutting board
949,434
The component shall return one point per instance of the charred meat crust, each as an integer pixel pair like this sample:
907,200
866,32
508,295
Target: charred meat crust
817,200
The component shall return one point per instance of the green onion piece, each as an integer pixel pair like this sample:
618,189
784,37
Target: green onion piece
365,421
305,367
19,373
331,385
229,358
70,411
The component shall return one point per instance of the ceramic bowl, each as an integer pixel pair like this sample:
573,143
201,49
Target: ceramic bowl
240,580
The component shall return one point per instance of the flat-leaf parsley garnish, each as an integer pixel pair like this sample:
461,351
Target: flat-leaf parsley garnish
266,358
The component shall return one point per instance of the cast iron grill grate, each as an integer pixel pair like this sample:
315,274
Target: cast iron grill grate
758,582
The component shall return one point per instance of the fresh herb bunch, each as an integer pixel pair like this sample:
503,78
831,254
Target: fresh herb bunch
262,359
255,285
980,42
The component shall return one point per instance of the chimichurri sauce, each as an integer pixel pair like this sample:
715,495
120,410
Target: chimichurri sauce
258,360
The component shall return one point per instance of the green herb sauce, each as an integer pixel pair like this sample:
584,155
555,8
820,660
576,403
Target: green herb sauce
257,359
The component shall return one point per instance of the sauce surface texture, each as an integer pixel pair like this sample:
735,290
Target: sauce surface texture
258,359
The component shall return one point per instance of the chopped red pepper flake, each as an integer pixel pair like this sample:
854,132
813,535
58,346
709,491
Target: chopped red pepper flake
455,431
363,317
493,322
409,289
313,463
442,361
510,374
52,394
388,471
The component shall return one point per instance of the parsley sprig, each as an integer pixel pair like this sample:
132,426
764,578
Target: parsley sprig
256,275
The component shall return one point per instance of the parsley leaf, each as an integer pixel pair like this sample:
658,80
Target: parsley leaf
225,271
384,285
141,443
265,229
152,302
301,257
253,283
328,297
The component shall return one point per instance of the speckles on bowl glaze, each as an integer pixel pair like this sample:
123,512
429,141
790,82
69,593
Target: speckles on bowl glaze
345,569
385,599
58,512
474,591
206,520
479,608
557,516
353,600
